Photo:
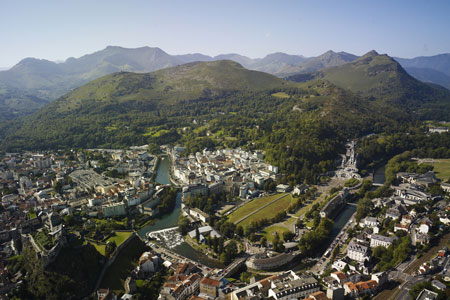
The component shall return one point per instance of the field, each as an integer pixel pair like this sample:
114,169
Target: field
119,238
251,207
441,168
269,232
270,211
281,95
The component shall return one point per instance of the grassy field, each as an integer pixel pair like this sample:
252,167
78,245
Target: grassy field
269,232
269,211
251,207
125,262
281,95
441,168
119,238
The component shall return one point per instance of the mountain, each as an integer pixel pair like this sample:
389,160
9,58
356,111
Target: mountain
243,60
435,69
430,75
328,59
128,98
275,62
381,78
440,62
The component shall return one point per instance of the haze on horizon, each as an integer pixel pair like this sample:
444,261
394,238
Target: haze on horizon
56,30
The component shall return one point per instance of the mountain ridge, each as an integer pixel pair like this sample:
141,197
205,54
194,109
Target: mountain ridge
45,80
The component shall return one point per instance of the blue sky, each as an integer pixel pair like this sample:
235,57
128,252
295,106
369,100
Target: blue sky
56,30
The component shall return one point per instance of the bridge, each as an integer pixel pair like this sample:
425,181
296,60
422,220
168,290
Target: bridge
233,267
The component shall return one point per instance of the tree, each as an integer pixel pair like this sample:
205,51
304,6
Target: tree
109,248
288,235
183,224
263,241
197,234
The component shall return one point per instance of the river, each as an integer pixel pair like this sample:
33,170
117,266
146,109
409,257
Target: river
171,220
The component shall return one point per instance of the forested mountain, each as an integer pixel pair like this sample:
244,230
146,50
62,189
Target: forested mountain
301,126
381,78
32,83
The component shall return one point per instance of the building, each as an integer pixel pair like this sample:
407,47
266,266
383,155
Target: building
427,295
358,252
209,287
260,262
114,209
148,263
290,286
380,240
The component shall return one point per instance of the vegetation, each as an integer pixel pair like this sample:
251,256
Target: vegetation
251,206
269,212
125,262
396,253
351,182
416,289
312,240
73,274
442,168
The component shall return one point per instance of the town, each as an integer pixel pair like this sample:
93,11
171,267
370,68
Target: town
246,233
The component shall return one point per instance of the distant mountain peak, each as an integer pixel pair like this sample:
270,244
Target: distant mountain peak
371,53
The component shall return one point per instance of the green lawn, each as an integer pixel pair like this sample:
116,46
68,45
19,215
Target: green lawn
269,232
125,262
282,95
119,238
270,211
441,168
251,207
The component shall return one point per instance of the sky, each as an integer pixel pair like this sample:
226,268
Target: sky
56,30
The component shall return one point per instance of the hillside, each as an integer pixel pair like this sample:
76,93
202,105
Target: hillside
301,126
147,98
313,64
381,78
434,69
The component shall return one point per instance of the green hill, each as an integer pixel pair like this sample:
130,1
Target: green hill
382,79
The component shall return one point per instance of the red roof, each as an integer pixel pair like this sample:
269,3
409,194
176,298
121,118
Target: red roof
210,282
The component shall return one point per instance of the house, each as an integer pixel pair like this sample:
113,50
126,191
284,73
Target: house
403,227
427,295
149,263
350,289
114,209
106,294
357,251
336,293
300,189
318,296
445,187
340,277
291,286
283,188
366,287
439,285
209,287
425,226
381,278
369,222
380,240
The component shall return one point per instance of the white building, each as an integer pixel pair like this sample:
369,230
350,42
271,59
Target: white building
358,252
380,240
